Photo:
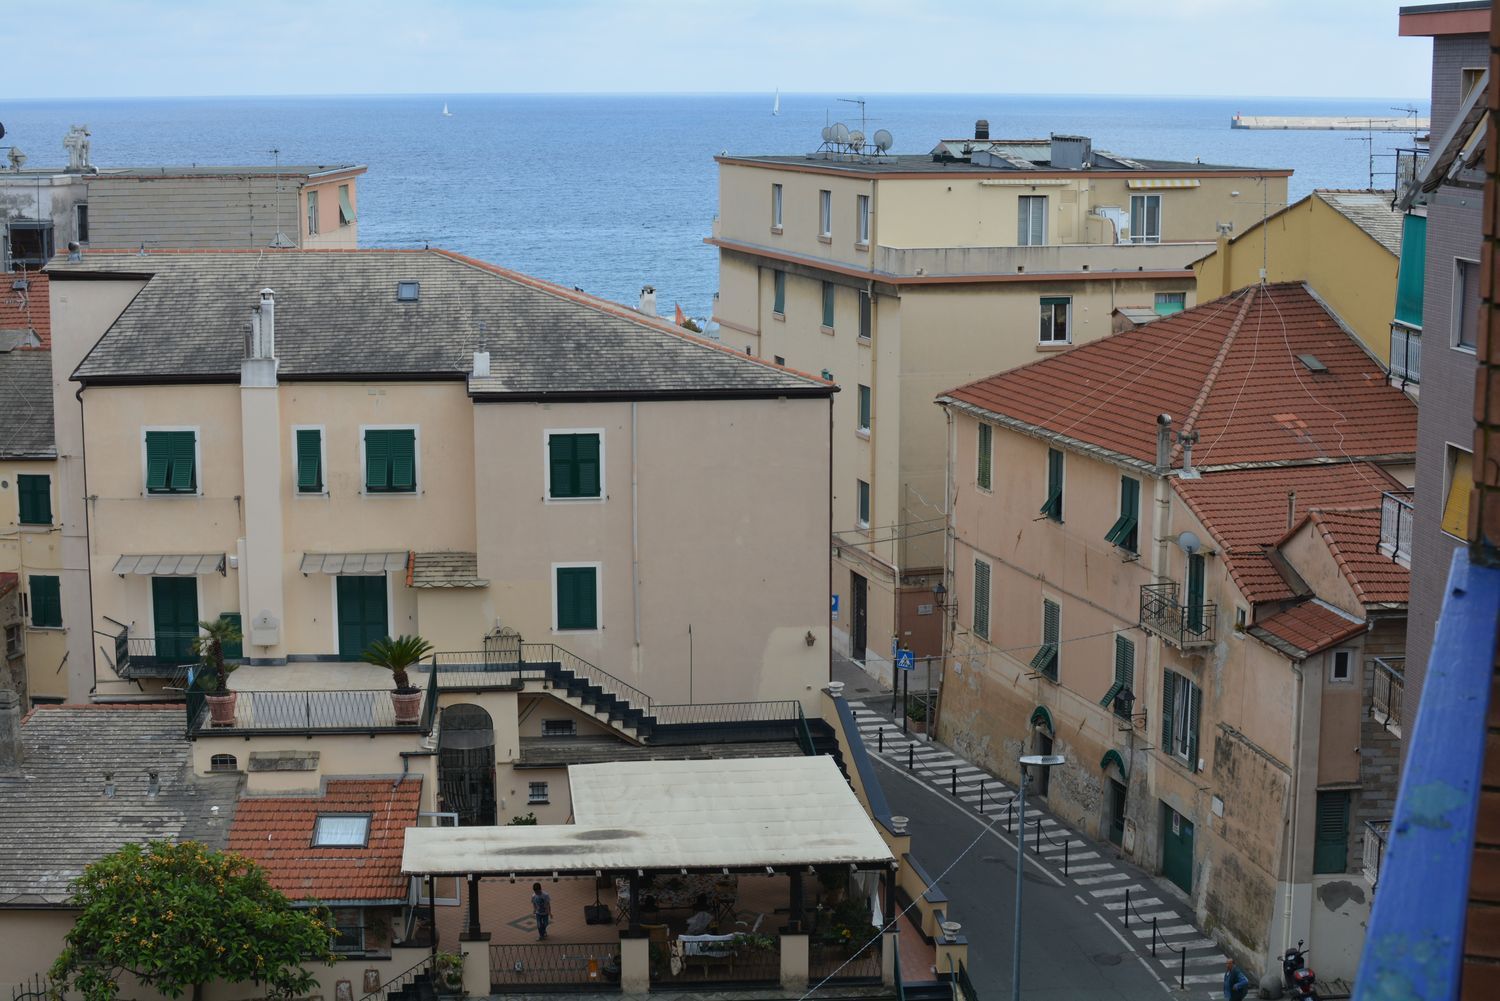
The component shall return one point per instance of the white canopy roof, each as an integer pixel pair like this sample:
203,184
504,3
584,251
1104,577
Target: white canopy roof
179,565
340,564
742,813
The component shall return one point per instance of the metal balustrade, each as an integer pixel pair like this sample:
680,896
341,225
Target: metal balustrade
1186,626
1396,529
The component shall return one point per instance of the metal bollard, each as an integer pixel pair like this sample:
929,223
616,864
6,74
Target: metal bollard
910,756
1065,858
1153,938
981,797
1182,971
1036,842
953,780
880,739
1125,917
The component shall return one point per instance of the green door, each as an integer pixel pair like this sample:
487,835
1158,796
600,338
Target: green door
1195,593
1177,848
174,614
362,617
1116,812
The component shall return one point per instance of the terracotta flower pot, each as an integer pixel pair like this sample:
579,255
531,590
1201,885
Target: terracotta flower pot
408,706
221,708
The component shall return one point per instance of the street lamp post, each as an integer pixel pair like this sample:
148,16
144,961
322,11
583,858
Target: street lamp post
1040,761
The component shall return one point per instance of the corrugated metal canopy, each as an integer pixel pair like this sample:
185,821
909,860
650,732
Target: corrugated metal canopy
189,565
739,814
353,563
1143,183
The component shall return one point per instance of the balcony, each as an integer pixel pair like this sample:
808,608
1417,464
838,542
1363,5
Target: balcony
1387,690
138,657
929,262
1396,526
1184,626
1406,355
1409,164
1374,849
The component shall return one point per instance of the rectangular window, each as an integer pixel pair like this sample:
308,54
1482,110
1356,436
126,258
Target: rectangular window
390,460
1124,677
537,792
1053,508
35,495
1145,218
1057,311
1032,228
778,298
828,305
576,597
46,602
559,728
1168,303
348,929
981,599
312,213
1181,704
984,466
1196,610
1341,667
865,305
1044,661
574,465
825,214
1460,483
341,831
346,206
863,490
81,221
864,409
776,207
778,359
14,646
1124,531
1331,845
309,460
171,462
1465,304
862,220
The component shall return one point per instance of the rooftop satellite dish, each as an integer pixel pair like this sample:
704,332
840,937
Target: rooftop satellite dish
828,133
840,132
2,131
883,140
856,137
1189,543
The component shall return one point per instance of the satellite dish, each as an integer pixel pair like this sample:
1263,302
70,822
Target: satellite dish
856,138
840,132
1189,543
2,131
883,140
828,133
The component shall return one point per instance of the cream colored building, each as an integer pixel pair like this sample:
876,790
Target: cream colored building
1128,521
897,276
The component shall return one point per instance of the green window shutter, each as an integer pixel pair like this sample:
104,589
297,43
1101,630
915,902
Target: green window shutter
184,475
1195,705
577,598
560,458
981,599
1123,533
35,496
377,461
574,461
46,602
403,445
778,303
1168,700
1109,696
158,461
1195,592
1331,845
986,455
1124,665
1052,634
864,408
1053,508
309,460
236,650
346,208
586,464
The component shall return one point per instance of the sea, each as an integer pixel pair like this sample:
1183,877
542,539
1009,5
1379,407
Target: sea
611,192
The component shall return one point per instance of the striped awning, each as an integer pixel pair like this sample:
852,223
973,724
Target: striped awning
353,563
1147,183
167,565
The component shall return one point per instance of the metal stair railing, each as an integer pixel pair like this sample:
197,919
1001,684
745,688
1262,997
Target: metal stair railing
399,981
551,653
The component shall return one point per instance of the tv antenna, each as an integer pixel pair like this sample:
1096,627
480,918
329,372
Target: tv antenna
280,241
863,121
1369,140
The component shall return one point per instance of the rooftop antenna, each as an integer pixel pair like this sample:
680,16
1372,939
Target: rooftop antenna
863,122
1369,140
280,241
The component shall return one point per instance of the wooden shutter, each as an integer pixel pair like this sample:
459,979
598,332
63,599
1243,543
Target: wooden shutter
46,602
183,476
586,464
1195,704
403,444
981,599
309,460
560,458
778,303
1052,635
1195,592
986,456
377,461
1053,508
235,650
158,459
1168,699
35,496
577,598
1124,661
1331,846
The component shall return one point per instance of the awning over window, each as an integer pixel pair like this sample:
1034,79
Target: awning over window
346,210
339,564
1151,183
1112,757
188,565
1042,717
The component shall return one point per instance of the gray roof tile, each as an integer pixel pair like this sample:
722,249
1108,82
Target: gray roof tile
26,405
1371,211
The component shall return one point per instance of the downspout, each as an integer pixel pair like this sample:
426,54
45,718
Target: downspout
829,506
949,556
1289,812
88,549
635,537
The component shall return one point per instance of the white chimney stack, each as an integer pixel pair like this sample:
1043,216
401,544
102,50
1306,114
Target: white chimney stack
481,364
1163,442
1188,439
648,300
263,326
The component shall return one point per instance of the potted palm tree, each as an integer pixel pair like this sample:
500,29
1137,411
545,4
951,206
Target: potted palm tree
213,680
397,655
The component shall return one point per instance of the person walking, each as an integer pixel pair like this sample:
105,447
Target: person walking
541,909
1236,984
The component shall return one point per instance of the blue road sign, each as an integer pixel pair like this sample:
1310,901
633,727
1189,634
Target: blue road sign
835,606
905,660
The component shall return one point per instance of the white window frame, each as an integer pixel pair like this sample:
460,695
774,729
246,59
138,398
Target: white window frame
322,458
1350,661
862,421
80,210
1138,237
312,211
862,221
1455,332
15,637
1067,322
547,497
1182,715
862,499
416,444
197,460
532,797
777,196
1030,203
598,597
333,596
363,841
825,214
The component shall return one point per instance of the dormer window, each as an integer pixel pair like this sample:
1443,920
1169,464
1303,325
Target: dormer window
335,830
408,291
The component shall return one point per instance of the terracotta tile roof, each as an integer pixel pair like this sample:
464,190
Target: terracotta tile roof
1246,511
1228,369
278,832
1304,629
1353,537
27,309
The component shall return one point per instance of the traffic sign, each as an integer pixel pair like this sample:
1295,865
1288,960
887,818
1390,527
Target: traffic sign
906,660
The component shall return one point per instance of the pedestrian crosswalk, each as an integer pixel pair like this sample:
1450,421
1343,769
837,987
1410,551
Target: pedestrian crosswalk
1162,931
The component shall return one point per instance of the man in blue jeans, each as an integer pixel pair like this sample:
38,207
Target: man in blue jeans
541,909
1236,984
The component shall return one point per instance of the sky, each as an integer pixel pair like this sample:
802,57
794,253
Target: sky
180,48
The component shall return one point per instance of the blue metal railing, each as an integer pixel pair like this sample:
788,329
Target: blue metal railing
1414,941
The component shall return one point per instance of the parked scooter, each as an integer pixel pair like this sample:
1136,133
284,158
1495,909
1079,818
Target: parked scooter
1300,981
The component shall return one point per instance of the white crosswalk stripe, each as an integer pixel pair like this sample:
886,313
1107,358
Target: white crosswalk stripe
1172,930
1119,905
1111,878
1116,891
1199,943
1092,867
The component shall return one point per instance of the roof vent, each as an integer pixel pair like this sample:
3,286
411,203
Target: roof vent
408,291
482,364
1312,363
1072,152
982,130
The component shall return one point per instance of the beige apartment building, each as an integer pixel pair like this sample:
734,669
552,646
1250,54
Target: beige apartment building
898,276
1170,563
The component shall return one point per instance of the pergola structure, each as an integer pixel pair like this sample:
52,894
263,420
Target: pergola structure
634,819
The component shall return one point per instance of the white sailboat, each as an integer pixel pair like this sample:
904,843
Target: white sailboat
446,112
776,107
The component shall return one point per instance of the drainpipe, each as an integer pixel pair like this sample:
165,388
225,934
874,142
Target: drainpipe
635,538
1161,533
1289,814
949,556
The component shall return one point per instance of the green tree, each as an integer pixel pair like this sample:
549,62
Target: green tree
180,916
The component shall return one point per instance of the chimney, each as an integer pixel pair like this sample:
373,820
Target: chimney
481,364
263,327
1071,152
1291,509
109,785
75,251
1188,439
648,300
11,754
1163,442
982,129
153,783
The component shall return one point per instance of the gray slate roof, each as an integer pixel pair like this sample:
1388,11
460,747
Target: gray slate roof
26,405
55,818
337,316
446,569
550,752
1371,211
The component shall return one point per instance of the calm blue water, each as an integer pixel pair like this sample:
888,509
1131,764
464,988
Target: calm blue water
611,192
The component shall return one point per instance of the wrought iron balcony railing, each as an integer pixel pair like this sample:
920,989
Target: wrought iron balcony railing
1374,849
1184,625
1396,526
1387,691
